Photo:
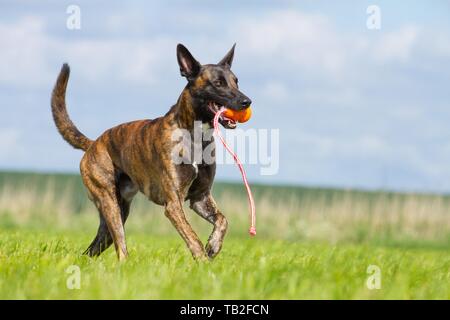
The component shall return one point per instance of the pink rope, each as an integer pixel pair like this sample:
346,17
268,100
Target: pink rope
252,229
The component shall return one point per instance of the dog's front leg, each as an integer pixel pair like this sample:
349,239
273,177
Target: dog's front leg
206,207
174,211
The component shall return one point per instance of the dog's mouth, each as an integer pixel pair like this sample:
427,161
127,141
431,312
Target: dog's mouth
224,121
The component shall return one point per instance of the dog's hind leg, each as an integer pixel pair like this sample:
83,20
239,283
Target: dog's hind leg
127,191
206,207
99,177
103,238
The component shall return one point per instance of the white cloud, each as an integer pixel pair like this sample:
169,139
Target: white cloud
310,45
130,61
293,39
29,55
275,91
24,52
397,45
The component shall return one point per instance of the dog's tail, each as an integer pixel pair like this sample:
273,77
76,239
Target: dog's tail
65,126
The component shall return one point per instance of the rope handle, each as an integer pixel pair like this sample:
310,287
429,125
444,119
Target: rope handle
251,202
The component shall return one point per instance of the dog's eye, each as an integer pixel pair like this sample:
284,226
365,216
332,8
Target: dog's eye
219,83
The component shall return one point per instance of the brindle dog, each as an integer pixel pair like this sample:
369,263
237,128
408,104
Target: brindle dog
137,156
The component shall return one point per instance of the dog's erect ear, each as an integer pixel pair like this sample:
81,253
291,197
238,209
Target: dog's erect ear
189,67
228,59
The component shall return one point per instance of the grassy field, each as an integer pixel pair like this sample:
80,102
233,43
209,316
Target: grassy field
311,244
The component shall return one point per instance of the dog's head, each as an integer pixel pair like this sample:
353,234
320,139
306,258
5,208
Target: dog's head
212,86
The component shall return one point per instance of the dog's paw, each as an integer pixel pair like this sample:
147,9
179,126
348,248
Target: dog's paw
212,249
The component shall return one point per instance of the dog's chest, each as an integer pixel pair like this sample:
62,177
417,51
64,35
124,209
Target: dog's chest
186,174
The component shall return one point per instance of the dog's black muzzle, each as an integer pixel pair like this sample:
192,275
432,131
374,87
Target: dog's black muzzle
241,102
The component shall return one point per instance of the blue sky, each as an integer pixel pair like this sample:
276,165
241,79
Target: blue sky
355,107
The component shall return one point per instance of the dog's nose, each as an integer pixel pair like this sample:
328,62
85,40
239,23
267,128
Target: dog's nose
246,102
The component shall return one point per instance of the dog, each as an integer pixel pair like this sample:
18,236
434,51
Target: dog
136,156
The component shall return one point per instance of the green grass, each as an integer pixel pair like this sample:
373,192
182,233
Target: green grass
33,266
311,244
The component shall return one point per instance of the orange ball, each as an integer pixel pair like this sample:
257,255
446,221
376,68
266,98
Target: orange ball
239,116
